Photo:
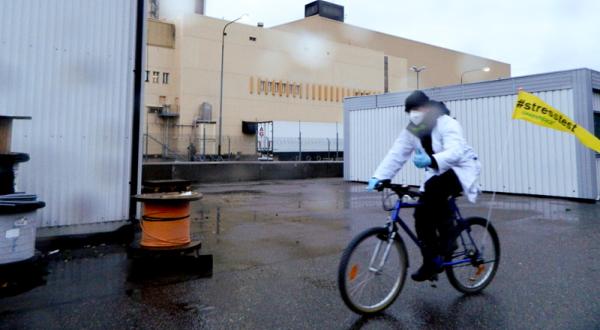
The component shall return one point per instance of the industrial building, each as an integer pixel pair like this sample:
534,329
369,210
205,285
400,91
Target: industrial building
82,78
517,156
300,71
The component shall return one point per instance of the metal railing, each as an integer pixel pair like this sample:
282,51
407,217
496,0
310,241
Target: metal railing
189,147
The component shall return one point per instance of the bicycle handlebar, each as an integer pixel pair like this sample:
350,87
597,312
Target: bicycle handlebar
399,189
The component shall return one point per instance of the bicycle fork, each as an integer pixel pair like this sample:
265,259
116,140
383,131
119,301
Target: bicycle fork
372,264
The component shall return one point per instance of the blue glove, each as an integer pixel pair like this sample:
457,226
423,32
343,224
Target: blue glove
421,159
372,183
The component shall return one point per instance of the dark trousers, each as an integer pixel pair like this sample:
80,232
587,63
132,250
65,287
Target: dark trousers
433,222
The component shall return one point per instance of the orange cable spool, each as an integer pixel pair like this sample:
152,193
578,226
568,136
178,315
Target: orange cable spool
166,219
165,224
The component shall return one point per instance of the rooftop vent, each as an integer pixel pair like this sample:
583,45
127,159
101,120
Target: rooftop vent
324,9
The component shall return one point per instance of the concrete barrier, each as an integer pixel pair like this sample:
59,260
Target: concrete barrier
206,172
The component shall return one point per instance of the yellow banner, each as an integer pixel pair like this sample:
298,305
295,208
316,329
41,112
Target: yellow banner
531,108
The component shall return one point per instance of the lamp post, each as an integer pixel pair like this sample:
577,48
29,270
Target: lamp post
221,91
417,70
484,69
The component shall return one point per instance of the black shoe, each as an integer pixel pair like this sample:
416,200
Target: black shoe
427,271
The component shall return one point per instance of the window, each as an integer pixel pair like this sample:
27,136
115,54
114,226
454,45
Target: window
155,75
270,90
165,78
252,38
261,87
597,124
147,76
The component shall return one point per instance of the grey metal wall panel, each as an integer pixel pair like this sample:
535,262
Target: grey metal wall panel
391,99
517,156
596,80
584,116
346,144
69,64
360,102
534,83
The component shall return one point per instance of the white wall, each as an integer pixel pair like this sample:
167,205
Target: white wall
517,156
69,65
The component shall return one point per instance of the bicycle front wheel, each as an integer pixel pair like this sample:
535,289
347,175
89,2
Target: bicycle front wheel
372,271
477,257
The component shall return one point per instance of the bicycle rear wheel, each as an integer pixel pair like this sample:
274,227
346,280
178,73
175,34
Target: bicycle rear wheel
372,271
480,248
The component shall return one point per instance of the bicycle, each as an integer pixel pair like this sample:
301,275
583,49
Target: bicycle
470,268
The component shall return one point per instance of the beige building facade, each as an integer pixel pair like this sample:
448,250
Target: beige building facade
300,71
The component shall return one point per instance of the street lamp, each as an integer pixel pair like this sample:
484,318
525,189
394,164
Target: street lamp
221,92
484,69
418,70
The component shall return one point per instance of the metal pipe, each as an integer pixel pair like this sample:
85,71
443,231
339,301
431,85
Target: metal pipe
138,99
336,141
221,91
299,142
418,70
203,142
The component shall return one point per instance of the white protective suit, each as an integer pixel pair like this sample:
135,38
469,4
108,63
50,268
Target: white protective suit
450,152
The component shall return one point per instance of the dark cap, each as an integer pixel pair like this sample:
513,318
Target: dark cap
414,100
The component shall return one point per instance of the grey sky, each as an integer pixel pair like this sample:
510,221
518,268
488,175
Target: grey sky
534,36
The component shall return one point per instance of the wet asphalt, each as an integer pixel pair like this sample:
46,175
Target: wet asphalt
276,247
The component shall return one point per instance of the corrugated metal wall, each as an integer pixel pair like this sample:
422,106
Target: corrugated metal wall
596,101
596,107
517,157
595,77
69,65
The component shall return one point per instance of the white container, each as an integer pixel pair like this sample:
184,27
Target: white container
17,237
293,136
517,157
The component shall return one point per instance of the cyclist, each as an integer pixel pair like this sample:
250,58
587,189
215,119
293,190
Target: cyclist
451,167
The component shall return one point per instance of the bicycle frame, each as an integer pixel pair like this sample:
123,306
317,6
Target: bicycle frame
460,222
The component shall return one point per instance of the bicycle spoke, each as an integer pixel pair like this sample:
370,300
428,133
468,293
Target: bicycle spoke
361,285
373,272
476,273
